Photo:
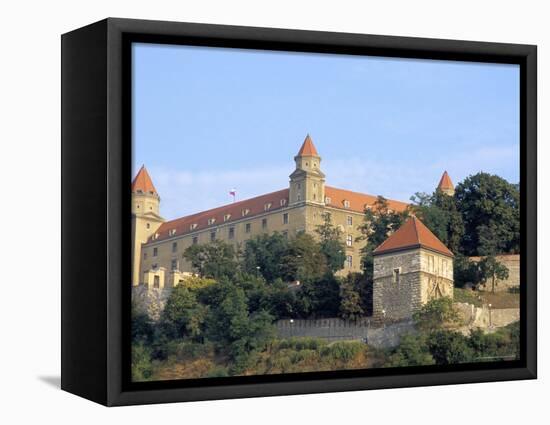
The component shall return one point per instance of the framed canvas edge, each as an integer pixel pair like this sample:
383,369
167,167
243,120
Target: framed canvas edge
118,172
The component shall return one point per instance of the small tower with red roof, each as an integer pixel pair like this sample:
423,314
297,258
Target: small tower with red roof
307,182
146,217
411,267
446,185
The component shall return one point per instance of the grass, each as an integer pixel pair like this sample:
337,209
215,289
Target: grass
501,299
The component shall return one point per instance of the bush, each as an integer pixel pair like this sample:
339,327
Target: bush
412,351
449,347
435,314
142,368
343,351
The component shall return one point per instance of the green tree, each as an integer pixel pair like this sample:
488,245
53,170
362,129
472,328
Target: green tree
435,314
214,260
303,260
440,214
411,351
232,328
263,255
331,243
465,271
183,315
320,297
350,299
492,270
378,223
448,347
489,206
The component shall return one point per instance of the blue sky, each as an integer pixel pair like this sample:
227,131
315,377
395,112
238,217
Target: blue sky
206,120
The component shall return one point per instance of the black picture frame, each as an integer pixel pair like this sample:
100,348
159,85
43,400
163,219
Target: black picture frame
96,176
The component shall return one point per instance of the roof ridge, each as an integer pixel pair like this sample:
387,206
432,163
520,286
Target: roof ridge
216,209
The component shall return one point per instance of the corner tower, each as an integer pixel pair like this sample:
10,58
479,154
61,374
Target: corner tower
146,218
411,267
446,185
307,182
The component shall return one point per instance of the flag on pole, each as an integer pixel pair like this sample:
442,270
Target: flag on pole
233,193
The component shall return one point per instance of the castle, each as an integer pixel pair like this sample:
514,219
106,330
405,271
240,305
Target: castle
158,245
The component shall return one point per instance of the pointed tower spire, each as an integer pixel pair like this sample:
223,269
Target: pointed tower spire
308,148
446,185
307,182
143,183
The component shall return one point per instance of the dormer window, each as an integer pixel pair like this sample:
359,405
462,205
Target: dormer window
283,202
267,206
139,191
155,236
226,217
211,221
245,212
327,200
193,226
171,232
346,203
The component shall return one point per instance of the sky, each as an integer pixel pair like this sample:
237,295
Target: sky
206,120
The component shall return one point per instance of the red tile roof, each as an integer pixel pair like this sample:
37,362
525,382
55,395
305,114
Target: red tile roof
257,205
412,234
143,182
357,201
308,148
445,182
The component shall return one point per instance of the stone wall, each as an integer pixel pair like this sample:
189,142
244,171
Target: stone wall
485,317
512,262
334,329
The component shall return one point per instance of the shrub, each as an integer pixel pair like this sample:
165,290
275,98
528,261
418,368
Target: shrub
142,369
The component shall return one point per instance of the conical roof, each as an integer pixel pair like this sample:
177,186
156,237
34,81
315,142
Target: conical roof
445,183
143,182
412,234
308,148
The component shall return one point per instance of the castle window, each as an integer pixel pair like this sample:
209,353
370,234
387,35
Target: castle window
307,164
314,164
245,212
231,234
285,218
349,261
283,202
349,220
431,263
174,265
148,225
264,223
285,234
155,252
299,186
212,236
144,255
444,267
349,240
226,217
314,197
151,208
193,226
327,200
156,282
171,232
346,203
174,247
396,275
247,227
155,236
267,206
211,221
137,206
139,191
298,197
195,240
155,266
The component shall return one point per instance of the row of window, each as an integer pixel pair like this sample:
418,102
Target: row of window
231,234
349,264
